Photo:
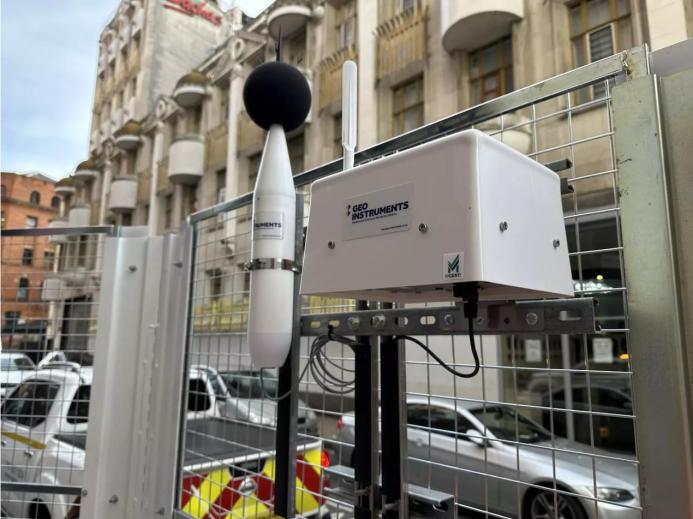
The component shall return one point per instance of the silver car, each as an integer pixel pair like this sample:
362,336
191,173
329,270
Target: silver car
453,446
247,400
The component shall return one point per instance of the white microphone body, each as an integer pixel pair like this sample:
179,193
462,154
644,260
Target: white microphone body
270,315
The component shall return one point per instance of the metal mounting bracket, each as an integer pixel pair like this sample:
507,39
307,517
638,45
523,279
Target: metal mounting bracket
554,316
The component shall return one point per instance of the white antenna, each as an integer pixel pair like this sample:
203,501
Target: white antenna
349,117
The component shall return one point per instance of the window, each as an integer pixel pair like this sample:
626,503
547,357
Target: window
247,385
443,419
35,198
198,398
12,362
408,106
224,106
253,168
30,403
216,284
2,219
79,408
27,256
598,29
55,202
391,8
296,149
31,222
3,191
506,424
190,195
221,185
346,25
194,120
337,136
168,211
491,71
297,49
23,289
12,316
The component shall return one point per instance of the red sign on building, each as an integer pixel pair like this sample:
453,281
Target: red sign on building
192,8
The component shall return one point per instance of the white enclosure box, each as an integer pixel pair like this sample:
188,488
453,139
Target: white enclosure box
464,208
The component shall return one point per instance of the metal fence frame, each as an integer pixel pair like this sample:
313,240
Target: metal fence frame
628,71
39,486
152,278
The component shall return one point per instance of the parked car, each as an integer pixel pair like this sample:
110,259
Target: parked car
44,432
14,367
452,445
247,400
610,423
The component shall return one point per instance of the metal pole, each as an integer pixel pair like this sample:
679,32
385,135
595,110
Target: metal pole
287,408
394,426
568,387
366,426
656,339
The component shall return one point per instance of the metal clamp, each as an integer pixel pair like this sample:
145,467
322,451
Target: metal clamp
272,264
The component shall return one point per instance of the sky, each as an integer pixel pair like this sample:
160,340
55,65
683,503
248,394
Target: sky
48,56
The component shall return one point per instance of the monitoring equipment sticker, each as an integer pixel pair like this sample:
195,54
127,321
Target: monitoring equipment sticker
379,212
268,224
453,263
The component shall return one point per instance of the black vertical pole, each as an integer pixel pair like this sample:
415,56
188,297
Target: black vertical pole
366,427
287,408
394,427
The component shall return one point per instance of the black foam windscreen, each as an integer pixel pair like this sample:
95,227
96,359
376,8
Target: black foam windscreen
277,93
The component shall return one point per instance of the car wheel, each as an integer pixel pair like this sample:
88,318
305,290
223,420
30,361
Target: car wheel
545,504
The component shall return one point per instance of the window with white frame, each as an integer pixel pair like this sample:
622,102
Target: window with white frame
598,29
346,24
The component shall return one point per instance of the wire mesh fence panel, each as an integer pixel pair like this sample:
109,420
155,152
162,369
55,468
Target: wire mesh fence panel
50,297
231,407
545,430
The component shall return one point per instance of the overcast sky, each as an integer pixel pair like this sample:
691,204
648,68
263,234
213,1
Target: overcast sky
48,69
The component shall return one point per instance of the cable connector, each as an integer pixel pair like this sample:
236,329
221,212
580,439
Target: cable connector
469,294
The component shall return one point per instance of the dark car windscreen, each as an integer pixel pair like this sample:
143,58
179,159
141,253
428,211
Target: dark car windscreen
30,403
506,424
248,386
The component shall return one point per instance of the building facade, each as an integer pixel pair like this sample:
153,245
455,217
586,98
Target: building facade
28,201
170,135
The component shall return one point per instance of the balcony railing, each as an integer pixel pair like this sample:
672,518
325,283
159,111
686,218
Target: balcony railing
250,135
217,145
402,40
331,75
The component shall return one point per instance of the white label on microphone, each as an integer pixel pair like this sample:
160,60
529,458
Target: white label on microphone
268,224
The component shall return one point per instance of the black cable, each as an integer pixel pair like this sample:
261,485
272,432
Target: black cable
317,365
442,362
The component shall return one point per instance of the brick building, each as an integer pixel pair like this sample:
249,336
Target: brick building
28,201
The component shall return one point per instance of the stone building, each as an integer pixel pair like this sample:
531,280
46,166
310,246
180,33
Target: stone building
170,135
28,201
